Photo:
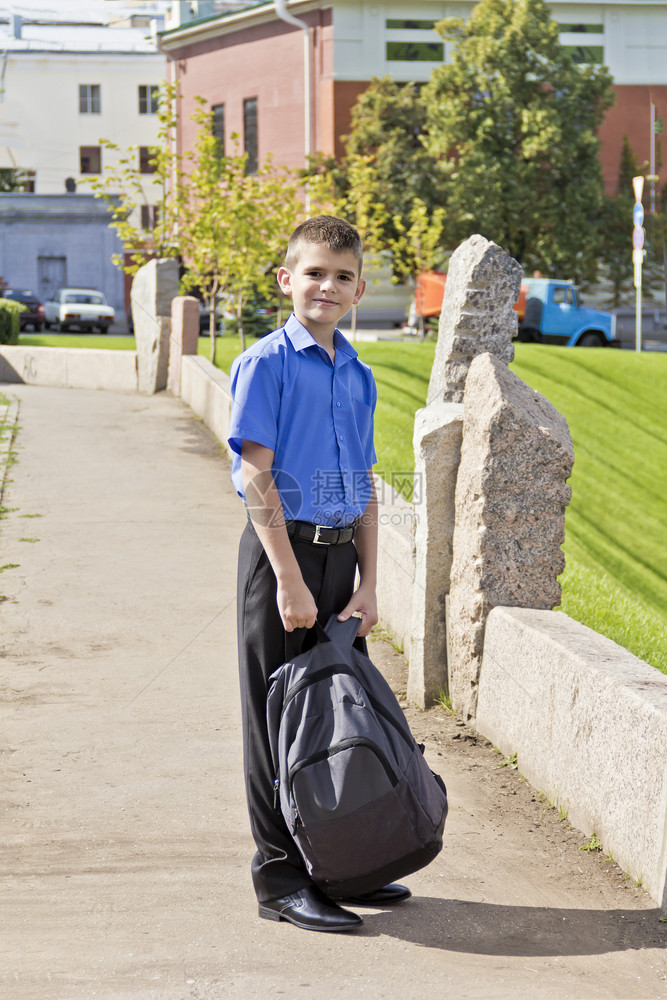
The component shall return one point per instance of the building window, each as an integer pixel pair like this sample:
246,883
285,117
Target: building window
146,154
577,29
218,127
149,98
415,51
91,159
586,54
409,25
28,181
250,138
89,99
148,217
410,41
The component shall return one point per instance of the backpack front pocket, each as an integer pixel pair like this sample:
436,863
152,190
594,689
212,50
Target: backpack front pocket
340,779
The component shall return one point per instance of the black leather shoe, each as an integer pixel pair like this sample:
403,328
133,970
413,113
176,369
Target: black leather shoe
310,909
393,893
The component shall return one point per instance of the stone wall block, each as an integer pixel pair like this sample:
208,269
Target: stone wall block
437,442
184,337
588,722
510,501
478,315
396,563
153,288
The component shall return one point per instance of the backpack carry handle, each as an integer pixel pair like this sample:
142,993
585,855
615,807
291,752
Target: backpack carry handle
320,632
344,633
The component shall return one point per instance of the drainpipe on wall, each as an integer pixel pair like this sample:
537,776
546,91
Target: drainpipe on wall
172,133
284,15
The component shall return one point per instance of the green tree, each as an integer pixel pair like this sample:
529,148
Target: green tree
616,250
654,274
418,247
387,185
352,191
389,126
11,179
233,225
616,254
227,227
126,189
514,120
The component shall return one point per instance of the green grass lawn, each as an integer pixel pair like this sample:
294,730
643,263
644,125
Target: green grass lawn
615,580
615,402
90,340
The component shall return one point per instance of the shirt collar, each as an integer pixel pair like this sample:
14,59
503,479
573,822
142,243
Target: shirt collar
301,338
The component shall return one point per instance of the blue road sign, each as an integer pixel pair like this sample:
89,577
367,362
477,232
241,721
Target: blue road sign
638,213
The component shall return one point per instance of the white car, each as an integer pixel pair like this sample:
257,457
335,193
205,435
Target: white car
84,308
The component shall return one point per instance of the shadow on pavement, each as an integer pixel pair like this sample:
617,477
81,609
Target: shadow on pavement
490,929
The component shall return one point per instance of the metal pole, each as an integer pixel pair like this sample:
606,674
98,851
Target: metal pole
652,158
638,255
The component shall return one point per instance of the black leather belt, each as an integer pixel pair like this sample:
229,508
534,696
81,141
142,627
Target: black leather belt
319,534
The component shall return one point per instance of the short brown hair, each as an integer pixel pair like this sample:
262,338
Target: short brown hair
325,230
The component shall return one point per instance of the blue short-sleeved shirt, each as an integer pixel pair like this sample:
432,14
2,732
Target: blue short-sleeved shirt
317,418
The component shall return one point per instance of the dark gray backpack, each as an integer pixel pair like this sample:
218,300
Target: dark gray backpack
357,795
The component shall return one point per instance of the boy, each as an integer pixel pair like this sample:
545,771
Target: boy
302,437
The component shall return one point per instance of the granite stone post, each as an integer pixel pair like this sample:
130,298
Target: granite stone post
437,442
154,286
483,283
184,337
477,317
511,495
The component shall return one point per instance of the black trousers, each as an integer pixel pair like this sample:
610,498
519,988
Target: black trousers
329,572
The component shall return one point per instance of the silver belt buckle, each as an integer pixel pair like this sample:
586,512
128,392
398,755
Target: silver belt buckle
316,537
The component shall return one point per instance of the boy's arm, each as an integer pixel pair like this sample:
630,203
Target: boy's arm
366,542
295,602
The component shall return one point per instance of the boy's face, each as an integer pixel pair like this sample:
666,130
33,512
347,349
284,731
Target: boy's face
323,285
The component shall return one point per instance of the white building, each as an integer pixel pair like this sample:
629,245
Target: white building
72,73
48,241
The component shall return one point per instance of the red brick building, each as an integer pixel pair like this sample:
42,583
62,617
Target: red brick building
270,89
250,67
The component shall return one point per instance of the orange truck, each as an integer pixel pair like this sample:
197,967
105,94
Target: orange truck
430,289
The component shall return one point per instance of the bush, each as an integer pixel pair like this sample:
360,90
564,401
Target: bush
10,324
259,318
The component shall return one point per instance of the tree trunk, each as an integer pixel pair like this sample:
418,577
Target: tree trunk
211,327
239,323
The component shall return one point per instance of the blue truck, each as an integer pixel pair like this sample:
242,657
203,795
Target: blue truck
552,314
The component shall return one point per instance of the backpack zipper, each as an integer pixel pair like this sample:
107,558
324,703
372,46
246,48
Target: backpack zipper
352,741
341,668
314,678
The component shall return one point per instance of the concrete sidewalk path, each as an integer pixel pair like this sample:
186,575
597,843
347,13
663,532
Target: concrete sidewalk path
124,841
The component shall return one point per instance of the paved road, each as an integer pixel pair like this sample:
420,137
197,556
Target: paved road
124,842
